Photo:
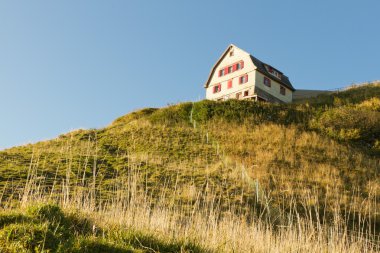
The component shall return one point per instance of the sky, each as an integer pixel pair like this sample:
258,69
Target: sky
75,64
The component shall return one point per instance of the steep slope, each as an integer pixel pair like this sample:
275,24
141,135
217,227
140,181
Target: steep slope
265,160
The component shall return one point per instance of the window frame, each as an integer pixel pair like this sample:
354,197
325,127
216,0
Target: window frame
267,82
217,88
243,79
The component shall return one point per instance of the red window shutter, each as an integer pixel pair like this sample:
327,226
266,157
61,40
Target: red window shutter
229,84
220,73
219,87
226,71
234,67
242,64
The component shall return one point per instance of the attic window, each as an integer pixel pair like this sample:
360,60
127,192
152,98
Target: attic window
231,53
239,65
273,72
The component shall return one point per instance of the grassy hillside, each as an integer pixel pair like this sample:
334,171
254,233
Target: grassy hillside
291,172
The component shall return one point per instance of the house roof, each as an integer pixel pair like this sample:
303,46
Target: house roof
260,67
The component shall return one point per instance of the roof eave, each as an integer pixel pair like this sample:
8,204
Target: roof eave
216,64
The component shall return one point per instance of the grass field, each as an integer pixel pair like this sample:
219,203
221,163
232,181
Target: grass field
234,176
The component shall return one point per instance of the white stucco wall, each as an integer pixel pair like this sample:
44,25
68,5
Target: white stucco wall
239,55
274,90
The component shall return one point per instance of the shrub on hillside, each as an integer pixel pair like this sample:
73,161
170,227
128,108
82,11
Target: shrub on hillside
372,104
349,124
172,115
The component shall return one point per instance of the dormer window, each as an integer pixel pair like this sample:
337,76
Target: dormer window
239,65
273,72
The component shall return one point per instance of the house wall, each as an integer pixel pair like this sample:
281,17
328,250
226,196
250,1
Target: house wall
274,90
226,93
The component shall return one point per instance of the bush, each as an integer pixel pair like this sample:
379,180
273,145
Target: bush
173,115
372,104
349,124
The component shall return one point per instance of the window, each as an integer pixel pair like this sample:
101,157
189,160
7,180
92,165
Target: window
231,53
238,95
217,88
273,71
239,65
243,79
282,90
229,84
231,69
246,93
267,81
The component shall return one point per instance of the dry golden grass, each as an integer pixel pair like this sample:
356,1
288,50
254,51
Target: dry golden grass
204,223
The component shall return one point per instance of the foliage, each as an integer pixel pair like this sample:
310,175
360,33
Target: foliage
348,123
201,166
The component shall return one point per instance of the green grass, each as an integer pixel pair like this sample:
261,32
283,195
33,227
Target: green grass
46,228
255,161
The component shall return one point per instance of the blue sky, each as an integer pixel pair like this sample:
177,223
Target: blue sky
80,64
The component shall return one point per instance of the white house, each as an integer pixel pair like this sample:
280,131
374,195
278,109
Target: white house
239,75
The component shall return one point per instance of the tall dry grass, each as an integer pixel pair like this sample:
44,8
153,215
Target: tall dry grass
202,220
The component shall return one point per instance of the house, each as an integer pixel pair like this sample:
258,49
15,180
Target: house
239,75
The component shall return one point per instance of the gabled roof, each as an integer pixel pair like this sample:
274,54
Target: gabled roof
260,67
216,64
